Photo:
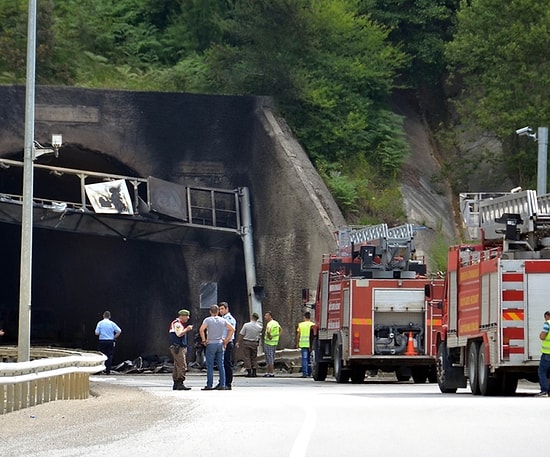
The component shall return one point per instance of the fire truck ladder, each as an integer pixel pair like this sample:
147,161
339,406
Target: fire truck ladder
526,219
394,245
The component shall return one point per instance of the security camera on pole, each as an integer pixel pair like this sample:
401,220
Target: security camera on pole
541,137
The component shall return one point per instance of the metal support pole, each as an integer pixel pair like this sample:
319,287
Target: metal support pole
254,304
542,139
25,280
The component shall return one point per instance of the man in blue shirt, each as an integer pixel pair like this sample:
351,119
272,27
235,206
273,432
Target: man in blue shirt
108,332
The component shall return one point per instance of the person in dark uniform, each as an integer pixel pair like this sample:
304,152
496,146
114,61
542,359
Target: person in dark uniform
178,348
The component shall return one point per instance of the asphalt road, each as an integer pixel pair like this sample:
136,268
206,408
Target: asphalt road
140,415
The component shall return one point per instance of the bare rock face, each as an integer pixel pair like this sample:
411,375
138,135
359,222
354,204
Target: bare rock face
427,199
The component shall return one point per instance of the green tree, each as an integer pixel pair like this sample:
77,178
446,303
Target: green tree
501,56
330,70
421,27
13,42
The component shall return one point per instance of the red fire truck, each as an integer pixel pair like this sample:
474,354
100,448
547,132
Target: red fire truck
371,309
496,294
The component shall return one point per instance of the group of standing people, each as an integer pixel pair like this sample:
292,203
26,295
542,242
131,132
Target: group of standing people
217,332
217,336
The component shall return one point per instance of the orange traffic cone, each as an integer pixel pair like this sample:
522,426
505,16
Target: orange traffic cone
410,345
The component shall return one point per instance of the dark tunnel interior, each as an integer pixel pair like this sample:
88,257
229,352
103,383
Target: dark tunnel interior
76,277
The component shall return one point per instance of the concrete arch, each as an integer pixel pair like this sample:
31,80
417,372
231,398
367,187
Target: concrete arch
195,140
76,277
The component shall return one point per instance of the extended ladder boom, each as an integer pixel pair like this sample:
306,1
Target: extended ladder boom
516,217
393,246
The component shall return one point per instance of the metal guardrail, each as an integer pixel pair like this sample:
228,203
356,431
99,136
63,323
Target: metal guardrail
52,374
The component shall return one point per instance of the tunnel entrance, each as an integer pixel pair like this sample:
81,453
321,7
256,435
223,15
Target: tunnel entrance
84,263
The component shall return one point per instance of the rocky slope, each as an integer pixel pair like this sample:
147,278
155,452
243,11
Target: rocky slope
428,200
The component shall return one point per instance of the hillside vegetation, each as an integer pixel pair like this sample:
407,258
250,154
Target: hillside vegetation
474,69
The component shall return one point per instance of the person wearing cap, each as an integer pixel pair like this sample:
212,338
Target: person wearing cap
178,348
248,340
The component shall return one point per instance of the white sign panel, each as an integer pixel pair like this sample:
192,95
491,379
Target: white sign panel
110,197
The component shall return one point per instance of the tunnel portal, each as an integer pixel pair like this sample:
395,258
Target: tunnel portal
192,140
77,276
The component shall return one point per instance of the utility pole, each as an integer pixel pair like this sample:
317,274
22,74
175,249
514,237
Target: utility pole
541,137
25,279
542,140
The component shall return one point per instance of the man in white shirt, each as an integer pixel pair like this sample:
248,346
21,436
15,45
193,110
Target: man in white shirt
228,354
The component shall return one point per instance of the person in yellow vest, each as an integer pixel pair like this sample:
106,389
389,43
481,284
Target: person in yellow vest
544,363
303,334
271,340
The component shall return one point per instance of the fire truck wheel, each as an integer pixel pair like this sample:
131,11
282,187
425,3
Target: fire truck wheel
443,367
487,383
341,374
319,371
473,352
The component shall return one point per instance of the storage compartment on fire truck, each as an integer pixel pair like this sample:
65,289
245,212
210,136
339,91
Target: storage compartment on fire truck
398,316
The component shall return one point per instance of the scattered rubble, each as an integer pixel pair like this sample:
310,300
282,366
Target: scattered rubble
287,361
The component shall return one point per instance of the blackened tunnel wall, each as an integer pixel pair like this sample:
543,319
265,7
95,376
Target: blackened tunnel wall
197,140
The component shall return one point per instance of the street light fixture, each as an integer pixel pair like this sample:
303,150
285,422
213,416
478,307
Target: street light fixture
38,149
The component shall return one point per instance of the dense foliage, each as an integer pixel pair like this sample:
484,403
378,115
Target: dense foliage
332,67
501,55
